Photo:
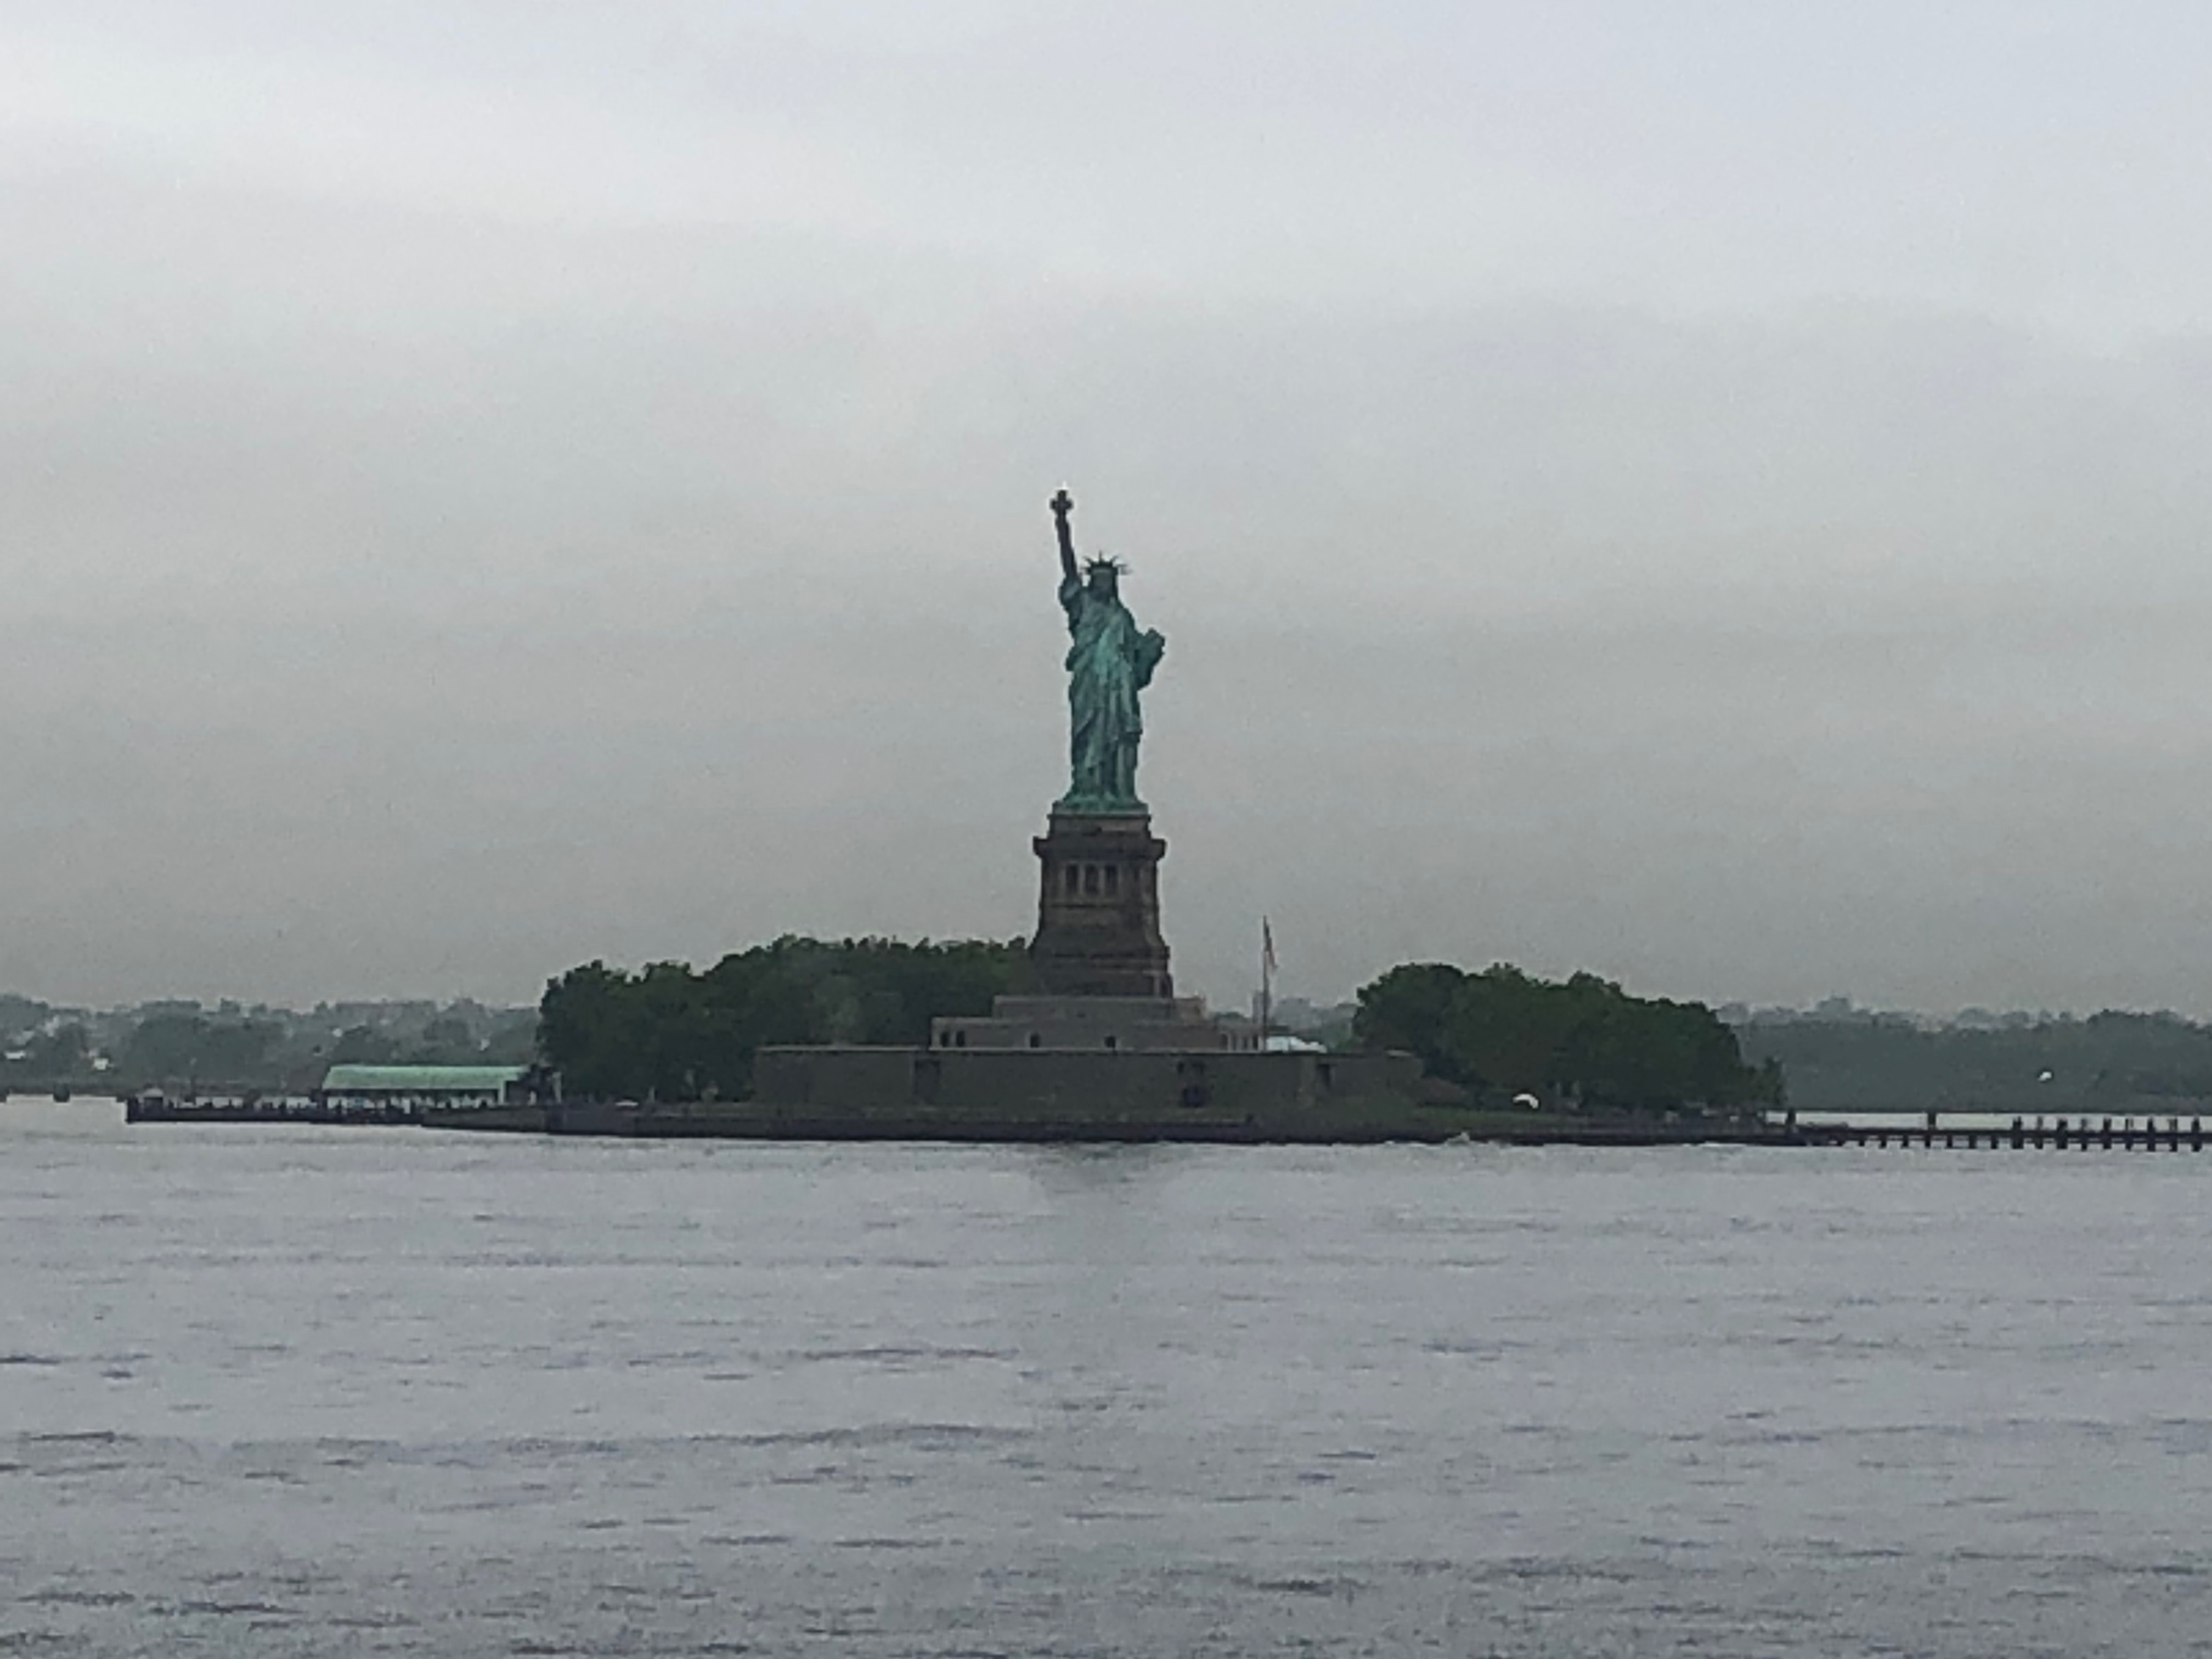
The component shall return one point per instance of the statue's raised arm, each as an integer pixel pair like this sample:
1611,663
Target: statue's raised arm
1062,505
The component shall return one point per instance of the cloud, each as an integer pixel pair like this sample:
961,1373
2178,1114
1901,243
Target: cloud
431,562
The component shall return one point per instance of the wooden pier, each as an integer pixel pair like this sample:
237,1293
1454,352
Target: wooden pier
260,1109
2080,1135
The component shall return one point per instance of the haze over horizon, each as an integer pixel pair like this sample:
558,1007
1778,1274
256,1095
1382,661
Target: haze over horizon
1714,496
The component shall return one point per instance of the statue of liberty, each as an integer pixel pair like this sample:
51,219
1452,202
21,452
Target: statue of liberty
1109,663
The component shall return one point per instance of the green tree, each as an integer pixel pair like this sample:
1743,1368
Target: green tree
172,1047
445,1040
1410,1008
1503,1032
61,1052
669,1032
363,1045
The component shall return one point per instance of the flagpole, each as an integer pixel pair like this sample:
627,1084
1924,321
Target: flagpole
1267,981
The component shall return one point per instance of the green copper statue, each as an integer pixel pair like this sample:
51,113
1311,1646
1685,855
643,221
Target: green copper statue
1109,663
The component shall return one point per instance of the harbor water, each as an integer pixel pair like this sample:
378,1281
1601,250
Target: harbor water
273,1390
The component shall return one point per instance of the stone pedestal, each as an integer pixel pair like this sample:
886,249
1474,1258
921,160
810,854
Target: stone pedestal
1099,909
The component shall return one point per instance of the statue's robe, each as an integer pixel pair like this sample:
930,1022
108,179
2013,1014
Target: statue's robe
1109,660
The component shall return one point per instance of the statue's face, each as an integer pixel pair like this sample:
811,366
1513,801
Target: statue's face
1104,584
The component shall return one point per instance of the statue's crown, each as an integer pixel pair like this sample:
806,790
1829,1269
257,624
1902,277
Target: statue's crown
1102,562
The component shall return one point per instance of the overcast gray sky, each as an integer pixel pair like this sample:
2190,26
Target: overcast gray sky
1713,494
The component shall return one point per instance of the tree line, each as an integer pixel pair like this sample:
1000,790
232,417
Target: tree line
176,1042
1583,1042
668,1032
2110,1062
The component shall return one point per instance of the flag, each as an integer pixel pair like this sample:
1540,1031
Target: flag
1266,944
